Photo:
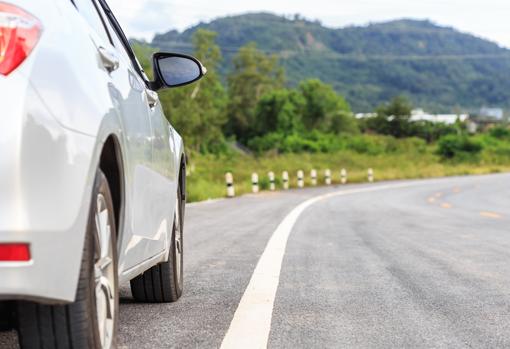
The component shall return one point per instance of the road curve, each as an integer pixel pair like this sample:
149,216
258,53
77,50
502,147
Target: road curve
416,264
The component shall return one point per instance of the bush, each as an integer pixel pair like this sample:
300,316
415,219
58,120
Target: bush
318,142
431,131
364,145
412,143
270,141
376,144
503,150
458,147
297,144
500,132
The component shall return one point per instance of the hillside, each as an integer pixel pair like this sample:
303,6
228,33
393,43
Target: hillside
438,67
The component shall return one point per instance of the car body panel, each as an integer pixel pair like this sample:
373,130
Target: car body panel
61,105
42,165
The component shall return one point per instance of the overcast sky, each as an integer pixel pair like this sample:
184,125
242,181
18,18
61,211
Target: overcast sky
485,18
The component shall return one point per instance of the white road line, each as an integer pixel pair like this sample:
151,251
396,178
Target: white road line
205,202
251,324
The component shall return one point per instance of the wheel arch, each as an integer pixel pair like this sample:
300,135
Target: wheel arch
182,176
111,164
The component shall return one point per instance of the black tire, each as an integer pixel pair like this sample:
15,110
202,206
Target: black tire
6,315
74,325
163,283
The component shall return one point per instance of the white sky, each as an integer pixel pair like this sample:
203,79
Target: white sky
485,18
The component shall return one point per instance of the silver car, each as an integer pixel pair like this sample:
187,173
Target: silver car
92,175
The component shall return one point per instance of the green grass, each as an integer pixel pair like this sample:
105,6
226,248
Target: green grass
206,179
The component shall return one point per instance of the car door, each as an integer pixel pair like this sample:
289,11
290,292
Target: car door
144,236
164,155
139,237
127,92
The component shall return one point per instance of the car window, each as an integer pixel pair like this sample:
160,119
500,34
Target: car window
88,11
121,42
118,43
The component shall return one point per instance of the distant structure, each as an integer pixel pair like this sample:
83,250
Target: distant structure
486,118
420,115
448,119
489,117
492,113
365,115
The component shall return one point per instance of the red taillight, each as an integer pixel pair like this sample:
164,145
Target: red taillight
19,33
14,253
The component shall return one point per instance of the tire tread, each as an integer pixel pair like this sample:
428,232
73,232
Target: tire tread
158,284
70,326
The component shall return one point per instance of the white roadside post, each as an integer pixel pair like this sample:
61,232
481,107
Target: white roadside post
285,180
327,177
229,178
300,179
313,175
272,186
254,183
343,176
370,175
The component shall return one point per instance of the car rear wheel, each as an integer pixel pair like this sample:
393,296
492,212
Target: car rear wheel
163,283
91,320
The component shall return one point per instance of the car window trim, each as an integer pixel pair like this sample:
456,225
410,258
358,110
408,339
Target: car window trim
100,17
120,33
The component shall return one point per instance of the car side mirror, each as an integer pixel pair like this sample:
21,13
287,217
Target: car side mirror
174,70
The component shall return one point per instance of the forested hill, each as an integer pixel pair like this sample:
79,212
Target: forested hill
439,68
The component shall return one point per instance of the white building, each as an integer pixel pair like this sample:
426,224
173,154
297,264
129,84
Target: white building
493,113
420,115
365,115
449,119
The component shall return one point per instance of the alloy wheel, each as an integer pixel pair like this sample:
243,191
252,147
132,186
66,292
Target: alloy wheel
104,274
178,242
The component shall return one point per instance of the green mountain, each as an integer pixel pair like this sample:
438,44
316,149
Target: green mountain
439,68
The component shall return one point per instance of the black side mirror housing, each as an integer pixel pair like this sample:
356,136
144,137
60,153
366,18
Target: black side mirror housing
174,70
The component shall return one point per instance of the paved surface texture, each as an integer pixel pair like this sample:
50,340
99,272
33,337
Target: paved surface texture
413,267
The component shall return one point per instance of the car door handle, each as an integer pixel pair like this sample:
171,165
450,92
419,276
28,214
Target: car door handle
108,58
152,98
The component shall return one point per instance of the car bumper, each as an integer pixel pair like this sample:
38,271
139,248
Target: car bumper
45,186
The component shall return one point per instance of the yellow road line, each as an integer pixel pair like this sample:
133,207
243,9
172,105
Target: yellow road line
490,215
446,205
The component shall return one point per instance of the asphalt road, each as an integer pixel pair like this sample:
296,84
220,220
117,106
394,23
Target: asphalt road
412,264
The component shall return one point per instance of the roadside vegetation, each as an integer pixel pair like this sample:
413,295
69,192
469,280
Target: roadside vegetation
253,122
206,177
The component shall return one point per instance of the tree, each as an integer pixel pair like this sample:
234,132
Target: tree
325,110
393,118
198,110
253,74
279,111
144,53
